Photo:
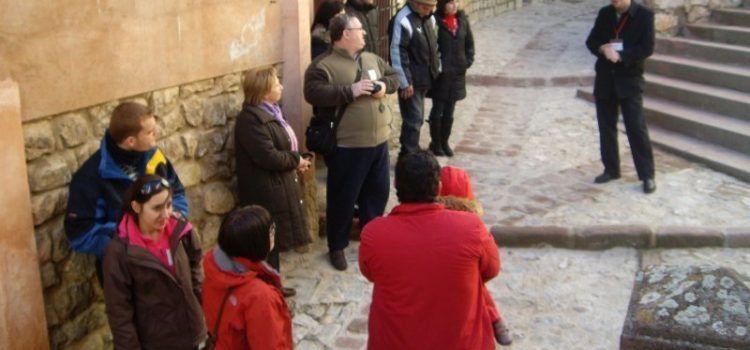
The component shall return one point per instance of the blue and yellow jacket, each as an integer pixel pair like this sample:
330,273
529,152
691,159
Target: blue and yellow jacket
96,194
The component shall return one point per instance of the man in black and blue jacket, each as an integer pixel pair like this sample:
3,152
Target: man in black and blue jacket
128,150
414,55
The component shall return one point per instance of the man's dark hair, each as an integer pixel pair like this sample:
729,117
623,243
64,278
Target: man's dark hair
417,177
246,233
338,24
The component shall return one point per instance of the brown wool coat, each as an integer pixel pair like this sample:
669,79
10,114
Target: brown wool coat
267,176
147,306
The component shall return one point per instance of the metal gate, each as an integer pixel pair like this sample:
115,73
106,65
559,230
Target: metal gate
386,9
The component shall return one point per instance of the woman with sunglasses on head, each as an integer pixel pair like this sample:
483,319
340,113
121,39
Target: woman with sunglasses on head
269,160
243,302
152,275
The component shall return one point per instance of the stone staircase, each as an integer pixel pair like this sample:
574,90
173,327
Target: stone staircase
697,95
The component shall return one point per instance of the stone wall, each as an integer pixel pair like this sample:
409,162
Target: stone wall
196,122
672,15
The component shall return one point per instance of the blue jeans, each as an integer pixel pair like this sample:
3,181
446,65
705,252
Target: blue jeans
412,115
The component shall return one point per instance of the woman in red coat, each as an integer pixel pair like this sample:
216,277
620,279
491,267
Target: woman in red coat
456,194
242,297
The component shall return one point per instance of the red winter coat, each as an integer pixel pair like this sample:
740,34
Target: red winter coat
255,315
428,265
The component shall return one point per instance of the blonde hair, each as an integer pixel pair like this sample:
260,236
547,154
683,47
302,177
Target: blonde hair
257,83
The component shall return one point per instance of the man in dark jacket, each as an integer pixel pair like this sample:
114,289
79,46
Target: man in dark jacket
414,56
363,10
622,38
128,151
346,77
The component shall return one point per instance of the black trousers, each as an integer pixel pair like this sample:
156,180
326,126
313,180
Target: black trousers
636,129
355,176
442,109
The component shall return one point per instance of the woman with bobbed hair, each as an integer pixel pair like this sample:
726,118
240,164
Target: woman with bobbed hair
243,302
152,274
269,160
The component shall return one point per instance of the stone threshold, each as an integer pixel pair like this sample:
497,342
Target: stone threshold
530,82
600,237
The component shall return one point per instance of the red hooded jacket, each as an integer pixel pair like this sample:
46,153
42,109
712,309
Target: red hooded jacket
428,266
255,314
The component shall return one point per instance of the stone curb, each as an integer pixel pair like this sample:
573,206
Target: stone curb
599,237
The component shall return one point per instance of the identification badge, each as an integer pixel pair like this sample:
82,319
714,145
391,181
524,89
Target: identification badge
617,45
372,74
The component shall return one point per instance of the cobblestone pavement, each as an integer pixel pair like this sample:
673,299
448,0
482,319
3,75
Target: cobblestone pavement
531,148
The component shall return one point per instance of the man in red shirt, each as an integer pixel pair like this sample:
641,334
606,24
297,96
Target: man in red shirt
428,265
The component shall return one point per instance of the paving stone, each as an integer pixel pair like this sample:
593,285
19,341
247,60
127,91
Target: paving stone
678,237
737,237
349,343
510,236
608,236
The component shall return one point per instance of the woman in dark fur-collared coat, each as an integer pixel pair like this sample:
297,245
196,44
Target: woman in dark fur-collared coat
456,46
268,160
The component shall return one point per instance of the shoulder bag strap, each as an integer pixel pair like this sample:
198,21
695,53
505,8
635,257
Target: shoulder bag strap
215,333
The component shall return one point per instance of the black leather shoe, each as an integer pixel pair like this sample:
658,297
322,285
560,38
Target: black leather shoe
649,186
288,292
605,177
338,259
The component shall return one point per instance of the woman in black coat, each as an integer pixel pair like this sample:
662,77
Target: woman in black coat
268,159
319,37
456,46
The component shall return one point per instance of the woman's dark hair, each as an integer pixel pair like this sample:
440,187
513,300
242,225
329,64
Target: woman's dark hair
141,192
417,177
326,11
245,233
441,7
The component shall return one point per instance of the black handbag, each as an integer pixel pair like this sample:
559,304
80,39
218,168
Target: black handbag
320,136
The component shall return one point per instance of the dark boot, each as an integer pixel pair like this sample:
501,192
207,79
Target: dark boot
445,133
435,138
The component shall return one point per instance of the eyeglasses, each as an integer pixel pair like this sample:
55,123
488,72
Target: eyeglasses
359,28
154,185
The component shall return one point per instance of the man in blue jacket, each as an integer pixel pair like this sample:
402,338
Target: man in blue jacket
128,151
414,55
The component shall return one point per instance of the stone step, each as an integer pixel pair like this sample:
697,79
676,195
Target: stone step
731,103
732,35
723,131
704,50
719,158
709,73
732,17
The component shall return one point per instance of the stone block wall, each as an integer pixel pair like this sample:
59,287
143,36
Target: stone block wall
196,122
672,15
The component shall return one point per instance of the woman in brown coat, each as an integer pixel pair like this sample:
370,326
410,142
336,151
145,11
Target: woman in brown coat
268,159
152,273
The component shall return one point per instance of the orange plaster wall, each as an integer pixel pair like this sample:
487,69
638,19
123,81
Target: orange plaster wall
75,53
22,321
